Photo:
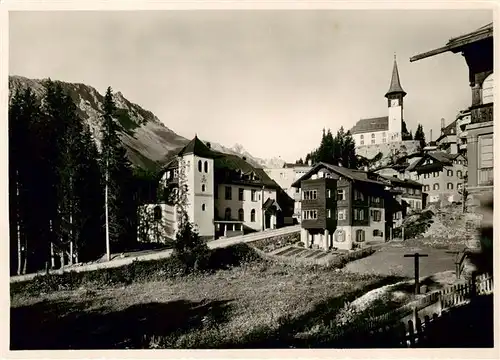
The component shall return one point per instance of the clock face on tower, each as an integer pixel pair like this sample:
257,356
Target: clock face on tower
394,102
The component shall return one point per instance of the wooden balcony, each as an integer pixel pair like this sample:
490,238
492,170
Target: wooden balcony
482,113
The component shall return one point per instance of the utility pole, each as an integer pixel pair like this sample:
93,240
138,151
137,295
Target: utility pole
108,253
416,257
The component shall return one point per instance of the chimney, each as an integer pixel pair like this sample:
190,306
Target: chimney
430,137
209,145
442,124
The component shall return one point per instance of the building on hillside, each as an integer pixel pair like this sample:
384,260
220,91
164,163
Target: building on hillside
285,177
409,194
441,174
342,208
477,49
223,196
385,129
463,119
448,140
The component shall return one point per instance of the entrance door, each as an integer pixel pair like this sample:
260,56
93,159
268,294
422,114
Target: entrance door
267,224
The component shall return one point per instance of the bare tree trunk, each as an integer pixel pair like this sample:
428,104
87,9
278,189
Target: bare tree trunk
108,252
71,252
52,256
18,234
25,251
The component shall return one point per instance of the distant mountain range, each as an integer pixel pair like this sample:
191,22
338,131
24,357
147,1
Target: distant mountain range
149,142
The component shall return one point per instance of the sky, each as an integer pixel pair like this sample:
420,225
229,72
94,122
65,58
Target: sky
269,80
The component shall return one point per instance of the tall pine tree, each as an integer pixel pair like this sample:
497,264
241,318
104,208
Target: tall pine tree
420,135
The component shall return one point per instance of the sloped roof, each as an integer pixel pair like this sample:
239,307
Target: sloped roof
351,174
450,129
442,157
371,125
457,43
269,203
196,147
395,87
404,183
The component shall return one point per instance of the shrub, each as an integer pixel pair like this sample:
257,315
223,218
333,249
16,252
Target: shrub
191,249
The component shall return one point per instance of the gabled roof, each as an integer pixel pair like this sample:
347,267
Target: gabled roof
443,158
196,147
371,125
269,203
395,87
450,129
351,174
403,183
456,44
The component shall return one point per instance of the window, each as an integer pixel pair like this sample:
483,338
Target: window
340,195
228,193
358,195
377,215
485,146
205,166
418,204
373,136
377,232
435,187
157,213
418,191
459,174
361,137
449,172
227,214
202,207
362,142
341,214
449,186
203,187
241,215
427,187
376,200
252,215
359,214
410,191
411,204
436,173
310,195
339,235
329,213
384,140
297,190
328,193
199,165
488,88
310,214
254,195
360,235
373,141
241,193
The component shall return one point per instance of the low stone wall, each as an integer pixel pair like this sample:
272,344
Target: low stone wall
272,243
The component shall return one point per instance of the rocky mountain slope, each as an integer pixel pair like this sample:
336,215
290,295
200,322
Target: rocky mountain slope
147,140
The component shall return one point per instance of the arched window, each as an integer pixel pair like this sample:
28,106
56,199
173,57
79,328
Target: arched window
488,89
459,174
157,213
449,186
205,166
203,207
241,215
203,187
252,215
199,165
435,187
227,214
449,172
360,235
339,235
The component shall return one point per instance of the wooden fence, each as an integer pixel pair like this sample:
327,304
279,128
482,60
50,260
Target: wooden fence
426,322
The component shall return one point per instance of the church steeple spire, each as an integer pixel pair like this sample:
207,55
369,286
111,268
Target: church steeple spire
395,87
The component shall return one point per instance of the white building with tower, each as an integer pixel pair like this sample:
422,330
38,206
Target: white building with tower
223,195
385,129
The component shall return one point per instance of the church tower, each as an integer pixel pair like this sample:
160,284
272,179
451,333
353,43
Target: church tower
196,161
395,97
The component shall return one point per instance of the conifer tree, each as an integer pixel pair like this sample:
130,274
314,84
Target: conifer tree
420,135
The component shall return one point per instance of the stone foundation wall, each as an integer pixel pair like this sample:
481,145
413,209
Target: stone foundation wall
406,147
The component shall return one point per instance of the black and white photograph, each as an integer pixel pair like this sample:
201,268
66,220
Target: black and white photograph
249,178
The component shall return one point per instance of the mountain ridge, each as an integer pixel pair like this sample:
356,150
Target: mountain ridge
148,140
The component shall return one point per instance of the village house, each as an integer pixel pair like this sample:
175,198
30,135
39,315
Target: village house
477,49
385,129
285,177
223,195
342,208
441,174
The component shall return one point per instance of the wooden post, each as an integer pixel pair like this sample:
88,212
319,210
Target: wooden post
416,257
402,232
